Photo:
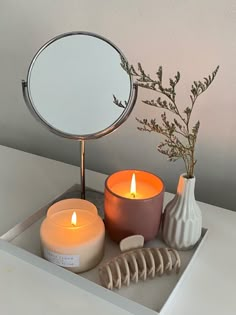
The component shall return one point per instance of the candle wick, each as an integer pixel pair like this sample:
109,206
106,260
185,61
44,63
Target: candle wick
133,194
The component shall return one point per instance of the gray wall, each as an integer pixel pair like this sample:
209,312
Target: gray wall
190,36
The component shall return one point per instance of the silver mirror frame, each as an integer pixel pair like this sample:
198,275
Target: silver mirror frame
30,104
121,119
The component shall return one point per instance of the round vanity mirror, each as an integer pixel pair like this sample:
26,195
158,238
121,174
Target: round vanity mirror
72,81
77,88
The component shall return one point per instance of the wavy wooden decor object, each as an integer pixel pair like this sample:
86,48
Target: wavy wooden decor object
136,264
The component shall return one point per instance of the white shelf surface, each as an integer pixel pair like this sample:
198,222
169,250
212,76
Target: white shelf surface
152,293
28,182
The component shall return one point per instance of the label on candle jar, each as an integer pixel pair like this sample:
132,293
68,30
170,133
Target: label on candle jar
61,260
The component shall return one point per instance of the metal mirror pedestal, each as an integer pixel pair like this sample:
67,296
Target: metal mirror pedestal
70,88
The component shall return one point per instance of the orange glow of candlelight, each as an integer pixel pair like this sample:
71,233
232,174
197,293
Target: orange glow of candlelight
74,219
133,186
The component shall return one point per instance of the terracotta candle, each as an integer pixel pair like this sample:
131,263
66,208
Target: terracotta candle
133,204
72,235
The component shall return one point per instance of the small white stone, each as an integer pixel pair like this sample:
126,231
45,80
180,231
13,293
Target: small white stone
131,242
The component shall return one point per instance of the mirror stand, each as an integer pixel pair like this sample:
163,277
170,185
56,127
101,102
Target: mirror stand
95,72
82,168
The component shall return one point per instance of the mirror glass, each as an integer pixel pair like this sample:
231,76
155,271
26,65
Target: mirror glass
71,82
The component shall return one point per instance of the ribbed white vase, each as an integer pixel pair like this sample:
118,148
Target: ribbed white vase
182,217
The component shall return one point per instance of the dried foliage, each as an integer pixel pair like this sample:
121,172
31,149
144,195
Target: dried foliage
180,137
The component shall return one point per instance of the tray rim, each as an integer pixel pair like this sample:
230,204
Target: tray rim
75,279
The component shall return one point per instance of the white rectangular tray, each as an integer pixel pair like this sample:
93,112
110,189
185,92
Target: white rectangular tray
152,295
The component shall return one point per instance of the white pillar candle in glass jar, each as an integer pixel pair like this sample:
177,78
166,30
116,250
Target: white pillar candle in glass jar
72,235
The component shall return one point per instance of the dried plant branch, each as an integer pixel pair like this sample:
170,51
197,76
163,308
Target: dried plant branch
180,138
119,103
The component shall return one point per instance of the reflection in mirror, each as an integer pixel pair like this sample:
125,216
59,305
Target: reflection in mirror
71,84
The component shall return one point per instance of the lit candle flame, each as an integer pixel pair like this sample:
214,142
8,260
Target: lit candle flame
74,219
133,186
